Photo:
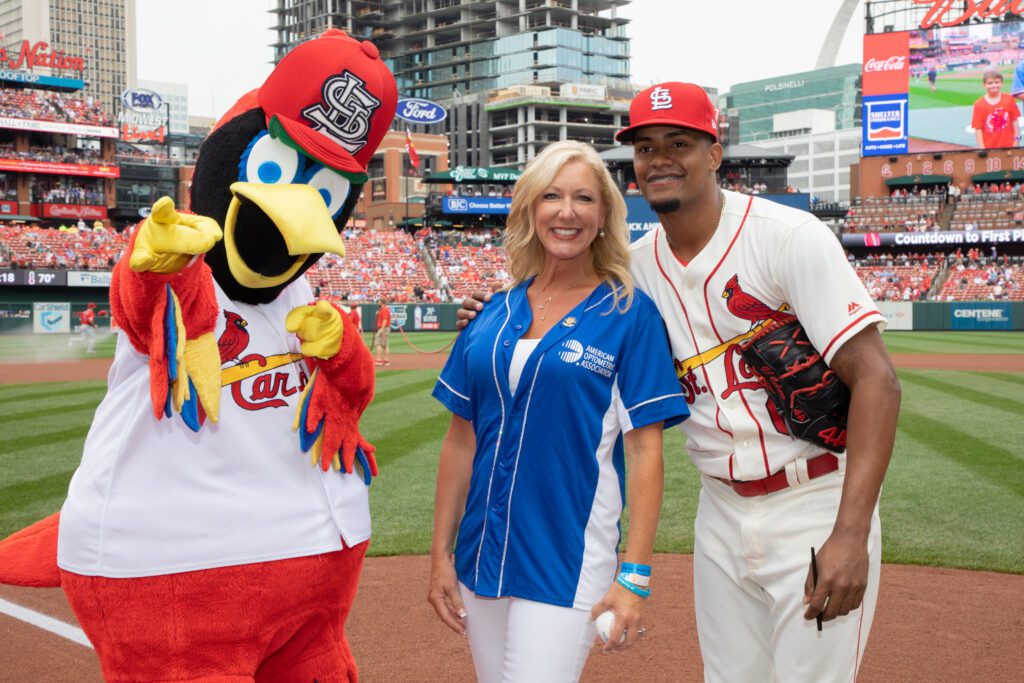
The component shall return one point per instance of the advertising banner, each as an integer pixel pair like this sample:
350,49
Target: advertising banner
426,317
480,205
31,125
970,238
75,211
33,278
640,217
8,208
885,124
50,317
88,278
886,63
899,315
981,315
59,168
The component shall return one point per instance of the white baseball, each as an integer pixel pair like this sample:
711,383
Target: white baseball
605,622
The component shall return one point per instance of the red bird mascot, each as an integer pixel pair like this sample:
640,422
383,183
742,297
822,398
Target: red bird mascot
202,546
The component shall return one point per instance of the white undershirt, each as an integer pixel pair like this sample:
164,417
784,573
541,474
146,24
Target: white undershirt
524,347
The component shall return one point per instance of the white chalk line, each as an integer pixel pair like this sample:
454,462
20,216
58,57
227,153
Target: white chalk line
55,626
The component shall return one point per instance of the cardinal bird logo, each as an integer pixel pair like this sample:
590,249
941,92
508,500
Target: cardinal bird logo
744,306
234,339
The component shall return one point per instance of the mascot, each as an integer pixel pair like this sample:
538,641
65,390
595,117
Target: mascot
197,542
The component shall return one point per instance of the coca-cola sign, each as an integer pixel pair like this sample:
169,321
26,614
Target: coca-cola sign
415,110
957,12
894,63
886,63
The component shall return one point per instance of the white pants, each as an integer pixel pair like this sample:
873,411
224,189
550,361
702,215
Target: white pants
521,641
750,561
89,333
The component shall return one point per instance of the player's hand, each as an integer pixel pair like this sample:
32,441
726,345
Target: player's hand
842,577
470,306
168,239
444,596
319,327
628,608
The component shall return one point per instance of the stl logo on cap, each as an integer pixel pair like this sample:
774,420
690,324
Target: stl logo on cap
346,118
661,98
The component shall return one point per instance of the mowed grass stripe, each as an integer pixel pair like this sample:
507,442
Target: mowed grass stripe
52,410
22,443
53,486
987,400
1009,377
17,396
395,393
996,465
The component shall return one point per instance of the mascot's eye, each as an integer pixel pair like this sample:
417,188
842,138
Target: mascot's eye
333,188
269,161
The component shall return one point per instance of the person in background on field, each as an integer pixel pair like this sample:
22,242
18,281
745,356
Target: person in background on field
87,327
380,338
355,315
1017,89
996,119
563,383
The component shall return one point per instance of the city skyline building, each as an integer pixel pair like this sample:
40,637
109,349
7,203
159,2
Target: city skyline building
514,75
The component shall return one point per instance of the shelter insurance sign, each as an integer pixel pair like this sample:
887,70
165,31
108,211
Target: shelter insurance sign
885,86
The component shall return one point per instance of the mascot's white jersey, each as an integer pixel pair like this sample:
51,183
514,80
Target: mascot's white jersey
152,497
764,260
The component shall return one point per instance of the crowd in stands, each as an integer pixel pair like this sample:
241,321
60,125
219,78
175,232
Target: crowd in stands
481,191
902,277
135,156
79,247
54,154
52,106
979,277
468,262
376,264
893,214
61,190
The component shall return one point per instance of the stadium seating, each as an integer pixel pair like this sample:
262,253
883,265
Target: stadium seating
990,211
973,282
24,246
465,268
50,106
894,214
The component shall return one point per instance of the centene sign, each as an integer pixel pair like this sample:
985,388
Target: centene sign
956,12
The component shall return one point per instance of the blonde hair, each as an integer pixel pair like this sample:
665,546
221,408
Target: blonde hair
610,253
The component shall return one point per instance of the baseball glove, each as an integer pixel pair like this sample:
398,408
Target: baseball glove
809,396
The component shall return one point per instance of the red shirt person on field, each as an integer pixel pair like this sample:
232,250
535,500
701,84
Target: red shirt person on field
996,117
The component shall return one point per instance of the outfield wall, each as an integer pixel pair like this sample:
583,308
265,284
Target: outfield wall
20,314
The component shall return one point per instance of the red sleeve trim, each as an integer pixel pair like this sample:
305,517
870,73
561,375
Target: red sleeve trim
824,354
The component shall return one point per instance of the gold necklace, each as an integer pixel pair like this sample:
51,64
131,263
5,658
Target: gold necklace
542,307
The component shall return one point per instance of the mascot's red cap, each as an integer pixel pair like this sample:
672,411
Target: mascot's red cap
91,305
331,98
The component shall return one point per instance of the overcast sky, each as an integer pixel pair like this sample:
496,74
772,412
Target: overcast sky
220,48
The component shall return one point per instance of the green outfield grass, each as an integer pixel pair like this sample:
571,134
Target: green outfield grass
955,342
954,496
956,89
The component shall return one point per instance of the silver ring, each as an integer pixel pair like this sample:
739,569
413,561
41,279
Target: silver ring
640,631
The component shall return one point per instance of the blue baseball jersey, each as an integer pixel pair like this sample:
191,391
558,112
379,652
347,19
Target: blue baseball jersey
547,487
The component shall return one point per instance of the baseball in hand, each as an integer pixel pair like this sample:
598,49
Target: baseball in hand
605,622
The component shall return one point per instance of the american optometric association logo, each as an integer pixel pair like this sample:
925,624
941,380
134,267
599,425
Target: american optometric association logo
885,124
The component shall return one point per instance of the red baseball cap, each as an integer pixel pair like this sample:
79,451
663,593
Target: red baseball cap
671,104
333,99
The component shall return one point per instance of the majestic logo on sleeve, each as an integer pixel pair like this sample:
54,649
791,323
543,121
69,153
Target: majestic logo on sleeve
269,388
661,98
346,116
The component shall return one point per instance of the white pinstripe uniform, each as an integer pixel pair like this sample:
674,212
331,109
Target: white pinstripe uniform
752,554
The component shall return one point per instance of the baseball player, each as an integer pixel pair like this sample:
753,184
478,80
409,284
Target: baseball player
87,327
380,337
720,266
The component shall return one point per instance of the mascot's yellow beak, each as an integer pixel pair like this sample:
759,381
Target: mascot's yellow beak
300,215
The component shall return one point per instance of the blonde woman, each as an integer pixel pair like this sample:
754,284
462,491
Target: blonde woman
560,386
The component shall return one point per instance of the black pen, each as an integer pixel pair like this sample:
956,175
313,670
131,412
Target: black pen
814,577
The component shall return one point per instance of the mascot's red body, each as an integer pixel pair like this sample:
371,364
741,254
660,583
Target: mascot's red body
203,546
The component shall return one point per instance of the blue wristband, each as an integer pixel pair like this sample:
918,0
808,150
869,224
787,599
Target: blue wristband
637,590
631,568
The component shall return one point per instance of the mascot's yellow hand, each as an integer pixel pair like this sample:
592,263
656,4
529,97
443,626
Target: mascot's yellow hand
168,239
318,326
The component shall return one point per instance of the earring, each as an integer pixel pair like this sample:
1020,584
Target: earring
601,234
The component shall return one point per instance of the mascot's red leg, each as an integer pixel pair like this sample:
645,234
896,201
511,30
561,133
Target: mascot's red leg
270,621
318,650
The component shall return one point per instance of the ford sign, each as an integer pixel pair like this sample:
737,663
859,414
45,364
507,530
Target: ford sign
415,110
142,100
